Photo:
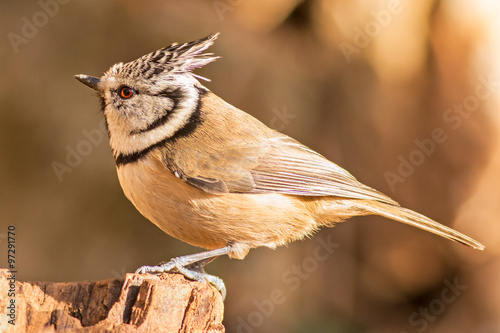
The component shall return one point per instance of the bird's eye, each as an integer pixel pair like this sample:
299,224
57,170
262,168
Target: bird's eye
127,92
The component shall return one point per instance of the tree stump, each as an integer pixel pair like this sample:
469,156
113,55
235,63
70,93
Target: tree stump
137,303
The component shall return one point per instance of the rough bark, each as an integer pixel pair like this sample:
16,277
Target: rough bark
137,303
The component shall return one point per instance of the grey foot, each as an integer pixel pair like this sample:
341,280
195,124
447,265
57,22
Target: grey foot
192,267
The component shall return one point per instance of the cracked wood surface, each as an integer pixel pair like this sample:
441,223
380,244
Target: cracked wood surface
137,303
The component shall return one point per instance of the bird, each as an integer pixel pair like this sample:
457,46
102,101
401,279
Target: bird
213,176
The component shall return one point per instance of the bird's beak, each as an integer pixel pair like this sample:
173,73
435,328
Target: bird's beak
90,81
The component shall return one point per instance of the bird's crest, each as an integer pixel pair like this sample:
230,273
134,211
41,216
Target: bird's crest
173,59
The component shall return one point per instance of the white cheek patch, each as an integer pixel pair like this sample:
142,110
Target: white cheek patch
124,140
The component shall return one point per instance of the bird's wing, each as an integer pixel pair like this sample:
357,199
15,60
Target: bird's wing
275,165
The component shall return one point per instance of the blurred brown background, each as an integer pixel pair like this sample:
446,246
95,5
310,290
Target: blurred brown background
403,94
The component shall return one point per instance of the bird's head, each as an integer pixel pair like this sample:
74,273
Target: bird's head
153,97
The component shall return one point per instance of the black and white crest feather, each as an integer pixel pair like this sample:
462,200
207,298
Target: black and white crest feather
173,59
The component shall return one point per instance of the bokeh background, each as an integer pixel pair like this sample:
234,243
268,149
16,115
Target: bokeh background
403,94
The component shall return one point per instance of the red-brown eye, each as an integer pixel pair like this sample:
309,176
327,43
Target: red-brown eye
126,92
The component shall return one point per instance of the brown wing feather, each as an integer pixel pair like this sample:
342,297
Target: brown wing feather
291,168
280,165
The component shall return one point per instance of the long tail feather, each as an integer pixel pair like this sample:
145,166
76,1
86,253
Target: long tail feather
415,219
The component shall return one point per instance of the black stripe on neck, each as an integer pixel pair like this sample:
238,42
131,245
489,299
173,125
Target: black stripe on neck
123,159
193,122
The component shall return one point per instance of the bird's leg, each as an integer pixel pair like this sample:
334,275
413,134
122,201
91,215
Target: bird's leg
192,267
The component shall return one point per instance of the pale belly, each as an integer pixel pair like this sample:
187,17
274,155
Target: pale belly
209,220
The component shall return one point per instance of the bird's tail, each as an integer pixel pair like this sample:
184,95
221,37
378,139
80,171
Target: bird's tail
415,219
342,209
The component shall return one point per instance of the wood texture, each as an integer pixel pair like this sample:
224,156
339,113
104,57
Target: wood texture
137,303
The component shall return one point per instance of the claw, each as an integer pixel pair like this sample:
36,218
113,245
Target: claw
192,267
